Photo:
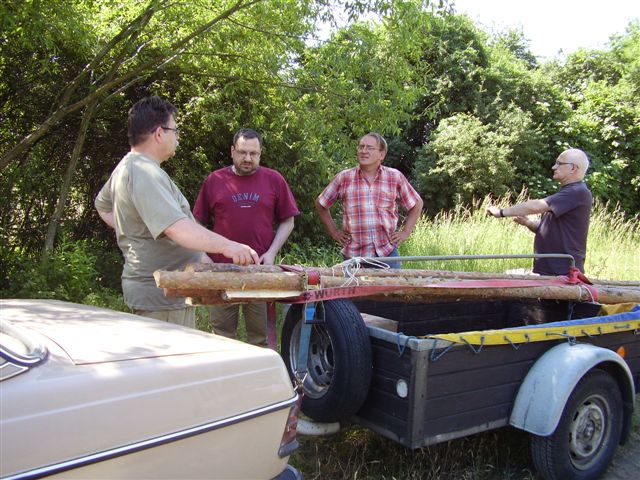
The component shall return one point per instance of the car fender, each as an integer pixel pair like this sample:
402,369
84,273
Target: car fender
550,381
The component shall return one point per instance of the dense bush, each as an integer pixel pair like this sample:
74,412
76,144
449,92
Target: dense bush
69,273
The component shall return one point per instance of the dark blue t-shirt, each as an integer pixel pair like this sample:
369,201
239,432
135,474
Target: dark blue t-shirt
564,229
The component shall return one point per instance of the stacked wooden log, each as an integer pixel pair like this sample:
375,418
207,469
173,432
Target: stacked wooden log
227,283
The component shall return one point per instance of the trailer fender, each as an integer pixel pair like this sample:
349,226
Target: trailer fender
550,381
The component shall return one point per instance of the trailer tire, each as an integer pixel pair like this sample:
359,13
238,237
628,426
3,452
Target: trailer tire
587,434
338,363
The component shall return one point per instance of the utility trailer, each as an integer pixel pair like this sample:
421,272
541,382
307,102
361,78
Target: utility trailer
421,373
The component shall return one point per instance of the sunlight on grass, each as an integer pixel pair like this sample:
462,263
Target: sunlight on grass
613,246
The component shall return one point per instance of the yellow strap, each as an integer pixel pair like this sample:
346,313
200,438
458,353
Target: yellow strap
617,308
525,335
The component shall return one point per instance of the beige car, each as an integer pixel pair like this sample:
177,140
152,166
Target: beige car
92,393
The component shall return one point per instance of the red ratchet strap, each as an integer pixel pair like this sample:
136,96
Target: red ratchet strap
312,276
575,277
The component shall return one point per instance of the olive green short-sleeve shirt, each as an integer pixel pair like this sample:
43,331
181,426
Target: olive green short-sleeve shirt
145,202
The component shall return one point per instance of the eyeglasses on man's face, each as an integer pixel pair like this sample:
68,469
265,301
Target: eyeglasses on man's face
175,130
559,163
243,153
368,148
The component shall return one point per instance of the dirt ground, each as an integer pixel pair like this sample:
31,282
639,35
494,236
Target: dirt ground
626,463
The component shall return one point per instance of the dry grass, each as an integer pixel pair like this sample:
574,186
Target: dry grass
357,453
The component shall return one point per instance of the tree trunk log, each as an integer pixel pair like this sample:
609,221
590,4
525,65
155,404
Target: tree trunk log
440,275
229,281
220,283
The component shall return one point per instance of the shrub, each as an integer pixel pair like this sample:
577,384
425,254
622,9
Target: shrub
68,273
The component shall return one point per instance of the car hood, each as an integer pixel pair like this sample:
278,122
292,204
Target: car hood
87,333
114,382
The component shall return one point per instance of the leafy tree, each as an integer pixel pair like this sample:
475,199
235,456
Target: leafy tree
602,87
465,114
464,160
448,62
132,49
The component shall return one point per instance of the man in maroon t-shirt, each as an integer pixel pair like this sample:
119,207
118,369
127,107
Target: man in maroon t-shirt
246,201
564,225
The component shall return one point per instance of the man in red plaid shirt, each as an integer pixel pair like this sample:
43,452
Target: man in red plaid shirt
369,194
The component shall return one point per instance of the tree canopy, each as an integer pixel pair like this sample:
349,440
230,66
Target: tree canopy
466,114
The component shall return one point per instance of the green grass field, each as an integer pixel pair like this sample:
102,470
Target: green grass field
613,245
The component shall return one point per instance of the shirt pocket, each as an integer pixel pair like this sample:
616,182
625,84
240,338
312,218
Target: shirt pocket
386,199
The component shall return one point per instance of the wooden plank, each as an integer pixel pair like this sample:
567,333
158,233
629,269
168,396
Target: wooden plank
259,295
380,322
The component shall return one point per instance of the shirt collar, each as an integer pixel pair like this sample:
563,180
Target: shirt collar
378,172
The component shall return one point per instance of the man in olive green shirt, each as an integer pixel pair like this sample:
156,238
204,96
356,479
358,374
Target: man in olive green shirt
152,219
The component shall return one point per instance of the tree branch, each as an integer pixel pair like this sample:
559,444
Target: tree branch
134,27
176,48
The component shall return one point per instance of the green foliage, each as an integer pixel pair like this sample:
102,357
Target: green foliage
515,42
603,87
465,114
106,298
309,253
448,61
69,273
464,160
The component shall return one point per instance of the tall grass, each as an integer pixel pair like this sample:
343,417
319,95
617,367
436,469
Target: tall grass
613,245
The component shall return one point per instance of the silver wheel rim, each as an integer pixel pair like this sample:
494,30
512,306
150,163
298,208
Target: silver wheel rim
588,431
320,360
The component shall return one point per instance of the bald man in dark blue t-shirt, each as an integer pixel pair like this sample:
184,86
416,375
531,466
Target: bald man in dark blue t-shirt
564,224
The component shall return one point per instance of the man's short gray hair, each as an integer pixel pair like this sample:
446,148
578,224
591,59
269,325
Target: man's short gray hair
382,143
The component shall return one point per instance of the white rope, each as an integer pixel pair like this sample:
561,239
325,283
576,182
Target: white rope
350,267
582,287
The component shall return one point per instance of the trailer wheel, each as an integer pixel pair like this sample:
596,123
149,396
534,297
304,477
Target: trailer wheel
588,433
338,363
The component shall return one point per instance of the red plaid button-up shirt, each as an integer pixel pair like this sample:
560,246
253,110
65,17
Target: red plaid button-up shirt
369,210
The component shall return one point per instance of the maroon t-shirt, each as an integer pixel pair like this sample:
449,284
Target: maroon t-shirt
244,208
